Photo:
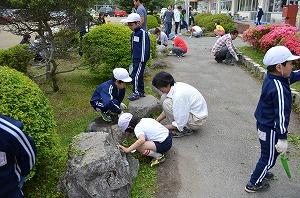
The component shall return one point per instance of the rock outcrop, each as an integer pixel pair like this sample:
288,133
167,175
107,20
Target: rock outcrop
97,168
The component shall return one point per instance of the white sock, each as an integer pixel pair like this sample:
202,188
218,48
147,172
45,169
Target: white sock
152,154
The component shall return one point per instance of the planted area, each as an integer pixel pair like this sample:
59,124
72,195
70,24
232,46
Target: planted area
264,37
207,21
152,22
17,57
22,99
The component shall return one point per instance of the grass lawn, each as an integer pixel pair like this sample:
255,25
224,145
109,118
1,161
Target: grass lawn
258,56
73,113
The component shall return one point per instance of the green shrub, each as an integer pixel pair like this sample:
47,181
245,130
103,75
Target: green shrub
152,22
22,99
153,46
157,16
107,47
17,57
208,22
199,19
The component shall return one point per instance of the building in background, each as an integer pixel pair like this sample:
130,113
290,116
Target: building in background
246,9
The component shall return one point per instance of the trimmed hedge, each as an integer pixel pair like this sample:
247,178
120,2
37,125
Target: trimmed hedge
157,16
151,22
153,49
208,22
17,57
107,47
22,99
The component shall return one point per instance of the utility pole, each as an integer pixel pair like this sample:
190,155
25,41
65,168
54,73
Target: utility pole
187,18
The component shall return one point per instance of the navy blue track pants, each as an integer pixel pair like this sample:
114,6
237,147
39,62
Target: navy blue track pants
137,76
268,155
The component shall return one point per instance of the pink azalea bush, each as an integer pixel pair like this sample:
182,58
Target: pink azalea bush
276,34
265,37
253,34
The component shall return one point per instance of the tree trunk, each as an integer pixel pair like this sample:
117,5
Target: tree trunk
53,76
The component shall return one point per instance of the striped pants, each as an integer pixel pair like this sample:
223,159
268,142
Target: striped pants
137,76
268,155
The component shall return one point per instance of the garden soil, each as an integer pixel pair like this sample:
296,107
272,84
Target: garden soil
216,161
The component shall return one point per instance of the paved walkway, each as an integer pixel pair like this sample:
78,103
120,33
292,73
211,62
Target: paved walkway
217,160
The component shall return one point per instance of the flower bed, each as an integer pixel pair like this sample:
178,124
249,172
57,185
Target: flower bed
267,36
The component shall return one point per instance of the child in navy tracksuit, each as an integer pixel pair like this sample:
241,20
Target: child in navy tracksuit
140,48
17,157
108,96
273,113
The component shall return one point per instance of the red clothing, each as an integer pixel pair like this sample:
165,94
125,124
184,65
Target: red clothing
179,42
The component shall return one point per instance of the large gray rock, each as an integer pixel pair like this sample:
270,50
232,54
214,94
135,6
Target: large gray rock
111,128
97,168
144,106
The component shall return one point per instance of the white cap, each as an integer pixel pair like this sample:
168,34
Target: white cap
259,6
277,55
133,17
122,74
124,120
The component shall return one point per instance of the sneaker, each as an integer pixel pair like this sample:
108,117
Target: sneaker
142,95
218,60
186,132
133,97
269,176
158,160
228,62
250,188
105,116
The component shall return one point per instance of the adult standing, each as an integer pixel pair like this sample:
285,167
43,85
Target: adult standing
177,18
259,15
141,10
167,19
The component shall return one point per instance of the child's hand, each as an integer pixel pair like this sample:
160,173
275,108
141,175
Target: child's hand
124,149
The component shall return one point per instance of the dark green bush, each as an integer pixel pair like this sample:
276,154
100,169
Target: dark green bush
199,19
157,16
153,46
17,57
152,22
22,99
107,47
208,22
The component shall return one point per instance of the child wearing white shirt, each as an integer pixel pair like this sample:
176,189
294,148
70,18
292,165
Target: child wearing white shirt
153,139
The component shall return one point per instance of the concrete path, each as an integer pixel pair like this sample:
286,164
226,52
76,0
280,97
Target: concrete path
217,160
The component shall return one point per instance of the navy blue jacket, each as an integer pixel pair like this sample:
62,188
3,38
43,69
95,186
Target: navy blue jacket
275,103
140,45
109,95
260,13
17,156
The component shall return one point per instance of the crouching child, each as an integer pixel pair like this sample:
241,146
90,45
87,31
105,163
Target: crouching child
108,96
153,139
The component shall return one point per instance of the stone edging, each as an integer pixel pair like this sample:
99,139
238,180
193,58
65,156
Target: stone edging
261,73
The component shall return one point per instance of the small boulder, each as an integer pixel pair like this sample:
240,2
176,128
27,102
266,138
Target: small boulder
144,106
159,64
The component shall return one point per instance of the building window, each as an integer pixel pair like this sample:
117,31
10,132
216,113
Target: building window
275,6
247,5
225,5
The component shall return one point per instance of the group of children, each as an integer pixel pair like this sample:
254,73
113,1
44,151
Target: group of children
186,109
